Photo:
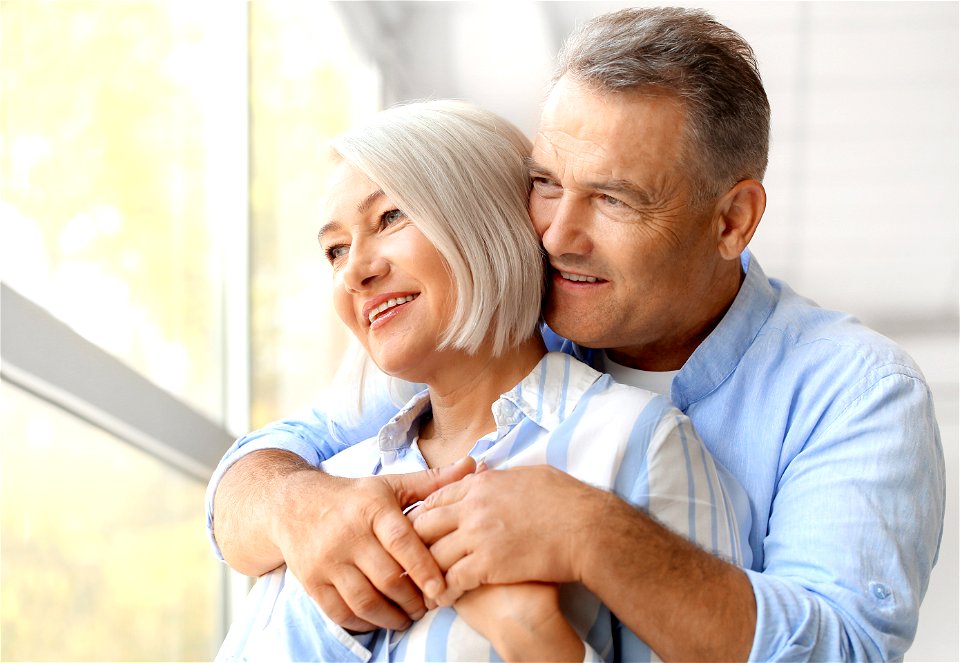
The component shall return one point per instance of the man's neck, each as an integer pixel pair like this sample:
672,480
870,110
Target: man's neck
670,353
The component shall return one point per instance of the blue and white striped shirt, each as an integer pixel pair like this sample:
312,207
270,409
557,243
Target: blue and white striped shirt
565,414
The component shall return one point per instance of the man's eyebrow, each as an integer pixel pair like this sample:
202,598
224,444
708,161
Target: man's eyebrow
621,186
626,187
536,169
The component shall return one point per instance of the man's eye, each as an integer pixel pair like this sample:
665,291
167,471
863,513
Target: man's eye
544,185
613,202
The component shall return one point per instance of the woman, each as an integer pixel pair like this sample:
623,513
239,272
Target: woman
438,273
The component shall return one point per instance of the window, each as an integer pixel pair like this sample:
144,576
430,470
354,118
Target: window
104,553
110,128
137,141
307,84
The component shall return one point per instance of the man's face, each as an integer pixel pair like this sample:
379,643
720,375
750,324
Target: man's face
633,266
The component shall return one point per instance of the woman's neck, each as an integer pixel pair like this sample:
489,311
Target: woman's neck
462,395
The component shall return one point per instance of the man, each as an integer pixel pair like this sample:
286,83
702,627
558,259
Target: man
647,189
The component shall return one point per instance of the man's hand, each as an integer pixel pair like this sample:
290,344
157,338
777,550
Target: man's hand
536,523
523,621
346,540
508,526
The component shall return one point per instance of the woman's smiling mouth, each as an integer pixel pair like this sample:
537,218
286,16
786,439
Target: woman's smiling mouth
388,305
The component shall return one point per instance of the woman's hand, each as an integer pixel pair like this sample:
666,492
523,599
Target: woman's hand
522,621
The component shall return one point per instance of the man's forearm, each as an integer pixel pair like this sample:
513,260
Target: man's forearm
685,603
245,509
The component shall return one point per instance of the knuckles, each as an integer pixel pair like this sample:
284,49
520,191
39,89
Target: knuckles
395,535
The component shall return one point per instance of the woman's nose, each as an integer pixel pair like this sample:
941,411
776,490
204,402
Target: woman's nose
365,265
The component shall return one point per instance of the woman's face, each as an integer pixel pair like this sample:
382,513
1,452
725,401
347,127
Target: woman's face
391,285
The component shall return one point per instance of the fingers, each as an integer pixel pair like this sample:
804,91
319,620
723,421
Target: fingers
445,496
410,488
450,549
353,599
431,525
462,577
397,536
392,581
366,603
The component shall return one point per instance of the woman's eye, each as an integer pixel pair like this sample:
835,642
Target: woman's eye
390,217
336,252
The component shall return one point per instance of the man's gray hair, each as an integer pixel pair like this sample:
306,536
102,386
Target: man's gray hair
708,66
458,172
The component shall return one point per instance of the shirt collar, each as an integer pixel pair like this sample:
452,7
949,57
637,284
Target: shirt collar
401,430
547,395
721,352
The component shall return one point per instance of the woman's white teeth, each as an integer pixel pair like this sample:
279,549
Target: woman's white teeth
390,303
578,277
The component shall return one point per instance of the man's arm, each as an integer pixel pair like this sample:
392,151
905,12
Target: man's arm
849,547
346,540
854,528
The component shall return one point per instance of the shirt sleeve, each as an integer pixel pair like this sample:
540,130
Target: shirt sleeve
854,531
315,436
279,622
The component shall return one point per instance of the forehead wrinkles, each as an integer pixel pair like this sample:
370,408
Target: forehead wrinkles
587,163
569,157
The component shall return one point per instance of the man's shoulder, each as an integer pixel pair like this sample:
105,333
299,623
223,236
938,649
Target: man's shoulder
802,331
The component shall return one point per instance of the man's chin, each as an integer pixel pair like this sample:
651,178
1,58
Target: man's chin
577,328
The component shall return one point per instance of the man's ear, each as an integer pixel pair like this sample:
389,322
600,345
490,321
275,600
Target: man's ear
737,215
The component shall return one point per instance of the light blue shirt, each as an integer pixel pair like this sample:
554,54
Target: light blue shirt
830,428
565,414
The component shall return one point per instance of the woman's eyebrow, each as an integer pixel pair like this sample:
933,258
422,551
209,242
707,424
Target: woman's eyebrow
327,227
364,204
362,207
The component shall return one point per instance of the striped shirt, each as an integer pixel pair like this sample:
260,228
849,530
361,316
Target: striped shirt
565,414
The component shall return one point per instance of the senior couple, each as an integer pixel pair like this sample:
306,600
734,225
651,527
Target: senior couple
682,459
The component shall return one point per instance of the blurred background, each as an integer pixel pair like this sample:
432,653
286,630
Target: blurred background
161,164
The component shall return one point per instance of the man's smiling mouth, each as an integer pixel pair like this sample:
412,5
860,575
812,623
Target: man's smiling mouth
578,278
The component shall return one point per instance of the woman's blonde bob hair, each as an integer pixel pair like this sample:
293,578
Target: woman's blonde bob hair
459,173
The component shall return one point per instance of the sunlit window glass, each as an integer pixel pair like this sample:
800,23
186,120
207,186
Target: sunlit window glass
106,110
103,555
307,84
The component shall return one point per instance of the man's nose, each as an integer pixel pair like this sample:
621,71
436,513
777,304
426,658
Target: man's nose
365,265
567,231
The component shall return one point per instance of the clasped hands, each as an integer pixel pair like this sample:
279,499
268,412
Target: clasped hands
367,565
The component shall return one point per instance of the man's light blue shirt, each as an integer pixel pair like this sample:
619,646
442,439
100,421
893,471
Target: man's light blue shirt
828,426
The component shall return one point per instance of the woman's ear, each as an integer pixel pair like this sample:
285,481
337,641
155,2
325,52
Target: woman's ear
737,215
